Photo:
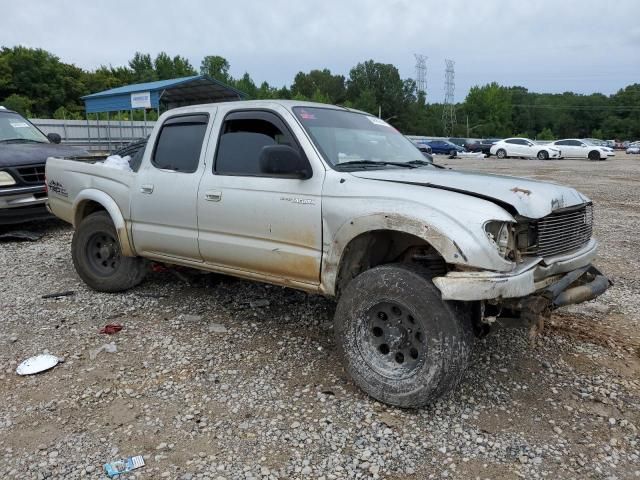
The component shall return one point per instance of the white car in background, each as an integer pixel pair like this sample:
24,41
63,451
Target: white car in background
523,147
575,148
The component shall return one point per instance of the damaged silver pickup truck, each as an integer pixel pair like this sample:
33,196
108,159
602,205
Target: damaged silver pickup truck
334,201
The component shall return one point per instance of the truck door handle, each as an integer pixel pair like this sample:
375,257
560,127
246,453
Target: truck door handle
213,196
148,189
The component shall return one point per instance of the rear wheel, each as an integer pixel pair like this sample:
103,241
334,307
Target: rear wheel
543,155
594,155
453,153
400,342
97,258
501,154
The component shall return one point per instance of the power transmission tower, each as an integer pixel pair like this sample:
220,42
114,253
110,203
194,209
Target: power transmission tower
449,110
421,73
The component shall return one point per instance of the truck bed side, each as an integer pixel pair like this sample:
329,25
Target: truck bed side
68,179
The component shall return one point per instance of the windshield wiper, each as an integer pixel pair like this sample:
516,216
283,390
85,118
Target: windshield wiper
365,163
425,162
20,140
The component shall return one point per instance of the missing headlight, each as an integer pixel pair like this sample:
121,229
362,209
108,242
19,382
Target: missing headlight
499,234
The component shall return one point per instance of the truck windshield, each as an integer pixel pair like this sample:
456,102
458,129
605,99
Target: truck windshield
14,128
355,140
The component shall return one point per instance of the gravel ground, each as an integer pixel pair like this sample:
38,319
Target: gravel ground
223,378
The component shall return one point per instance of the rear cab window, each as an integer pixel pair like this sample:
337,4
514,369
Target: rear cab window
179,143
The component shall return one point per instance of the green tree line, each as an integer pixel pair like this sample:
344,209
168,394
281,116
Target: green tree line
37,83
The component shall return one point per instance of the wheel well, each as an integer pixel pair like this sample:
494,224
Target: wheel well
85,209
378,247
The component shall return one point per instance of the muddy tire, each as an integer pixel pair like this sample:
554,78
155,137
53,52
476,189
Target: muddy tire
399,341
97,259
501,154
594,155
543,155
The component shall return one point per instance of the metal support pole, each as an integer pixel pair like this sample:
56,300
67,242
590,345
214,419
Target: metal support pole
88,129
109,131
98,137
121,137
131,117
64,128
145,122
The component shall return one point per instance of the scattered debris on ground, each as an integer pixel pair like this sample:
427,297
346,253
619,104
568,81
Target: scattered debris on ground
21,235
37,364
111,328
66,293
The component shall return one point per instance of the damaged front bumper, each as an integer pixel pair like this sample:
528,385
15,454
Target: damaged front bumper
562,279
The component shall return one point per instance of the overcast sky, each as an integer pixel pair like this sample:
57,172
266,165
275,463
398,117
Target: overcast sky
545,45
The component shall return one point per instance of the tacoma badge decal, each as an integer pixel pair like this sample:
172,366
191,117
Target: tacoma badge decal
301,201
57,188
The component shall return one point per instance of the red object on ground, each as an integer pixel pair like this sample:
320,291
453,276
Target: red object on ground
158,268
111,328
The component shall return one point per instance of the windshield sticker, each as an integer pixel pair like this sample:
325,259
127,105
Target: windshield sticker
19,124
306,115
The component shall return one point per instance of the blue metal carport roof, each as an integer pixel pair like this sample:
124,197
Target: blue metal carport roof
174,92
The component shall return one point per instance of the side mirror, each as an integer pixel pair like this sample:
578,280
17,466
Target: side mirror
284,161
54,137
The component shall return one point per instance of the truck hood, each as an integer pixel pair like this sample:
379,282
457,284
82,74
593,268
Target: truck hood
529,198
18,154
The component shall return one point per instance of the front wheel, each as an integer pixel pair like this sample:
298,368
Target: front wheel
97,258
501,154
543,155
594,155
453,153
400,342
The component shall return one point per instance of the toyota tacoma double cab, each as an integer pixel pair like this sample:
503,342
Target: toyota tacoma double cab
334,201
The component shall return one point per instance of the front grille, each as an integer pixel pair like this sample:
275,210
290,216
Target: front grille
32,175
562,232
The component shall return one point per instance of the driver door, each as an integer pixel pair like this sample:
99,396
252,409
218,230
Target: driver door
262,224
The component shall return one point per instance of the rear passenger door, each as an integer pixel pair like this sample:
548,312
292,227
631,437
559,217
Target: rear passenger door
264,225
578,149
163,202
513,147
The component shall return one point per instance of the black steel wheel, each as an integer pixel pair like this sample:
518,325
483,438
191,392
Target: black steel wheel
391,341
400,342
97,257
103,253
594,155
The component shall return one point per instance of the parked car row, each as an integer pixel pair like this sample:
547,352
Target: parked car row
633,147
524,147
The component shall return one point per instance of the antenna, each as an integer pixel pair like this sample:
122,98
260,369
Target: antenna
421,73
449,111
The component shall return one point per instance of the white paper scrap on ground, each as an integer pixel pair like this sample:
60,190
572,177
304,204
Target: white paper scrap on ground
37,364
